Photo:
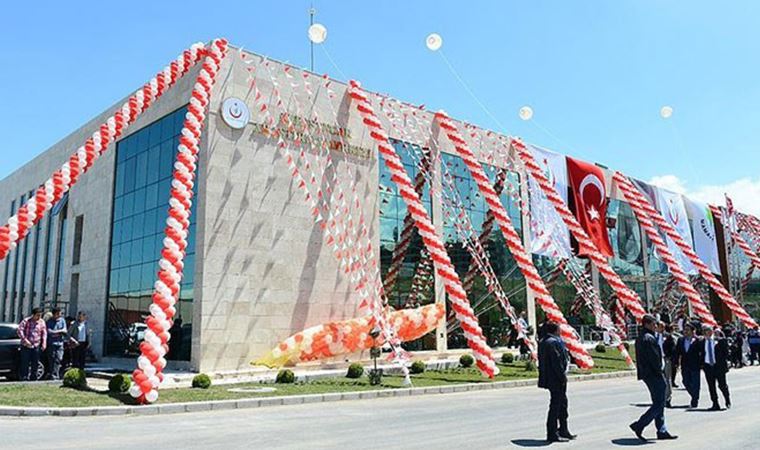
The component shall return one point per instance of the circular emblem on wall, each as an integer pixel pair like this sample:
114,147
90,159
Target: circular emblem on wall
235,113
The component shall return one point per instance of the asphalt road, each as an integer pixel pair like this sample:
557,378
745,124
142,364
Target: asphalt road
508,418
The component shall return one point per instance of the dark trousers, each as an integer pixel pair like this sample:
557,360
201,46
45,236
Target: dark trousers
713,376
691,383
674,372
656,412
78,355
556,420
54,358
29,361
754,353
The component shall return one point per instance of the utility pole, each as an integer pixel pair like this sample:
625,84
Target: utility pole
312,11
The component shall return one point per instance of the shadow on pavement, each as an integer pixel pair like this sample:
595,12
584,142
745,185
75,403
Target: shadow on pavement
530,442
641,405
630,442
704,410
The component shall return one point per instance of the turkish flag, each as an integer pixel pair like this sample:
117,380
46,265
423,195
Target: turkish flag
589,203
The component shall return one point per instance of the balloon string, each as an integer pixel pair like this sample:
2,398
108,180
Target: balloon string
470,91
332,61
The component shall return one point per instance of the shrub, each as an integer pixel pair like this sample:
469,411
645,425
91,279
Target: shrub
119,383
75,378
507,358
285,376
355,370
417,367
466,361
201,381
530,366
601,348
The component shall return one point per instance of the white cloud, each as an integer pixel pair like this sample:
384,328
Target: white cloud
744,192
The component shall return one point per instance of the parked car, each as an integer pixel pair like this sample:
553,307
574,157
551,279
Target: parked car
9,352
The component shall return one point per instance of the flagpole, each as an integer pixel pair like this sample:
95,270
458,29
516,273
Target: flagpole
312,11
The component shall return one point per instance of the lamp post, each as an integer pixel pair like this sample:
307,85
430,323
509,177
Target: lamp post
375,375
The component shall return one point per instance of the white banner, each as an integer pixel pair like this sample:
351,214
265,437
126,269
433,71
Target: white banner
549,235
672,207
703,229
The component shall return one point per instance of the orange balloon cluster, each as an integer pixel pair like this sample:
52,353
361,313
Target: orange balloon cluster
350,336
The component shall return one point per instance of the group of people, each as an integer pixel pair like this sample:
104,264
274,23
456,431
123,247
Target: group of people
55,341
659,354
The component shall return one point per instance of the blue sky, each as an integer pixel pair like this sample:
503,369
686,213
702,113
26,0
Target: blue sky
596,73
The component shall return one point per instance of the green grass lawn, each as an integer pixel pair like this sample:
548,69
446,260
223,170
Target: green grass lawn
57,396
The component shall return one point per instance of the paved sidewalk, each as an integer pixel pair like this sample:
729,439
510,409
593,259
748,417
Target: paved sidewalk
494,419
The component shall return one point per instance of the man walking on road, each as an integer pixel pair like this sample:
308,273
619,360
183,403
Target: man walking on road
553,364
716,366
689,353
649,369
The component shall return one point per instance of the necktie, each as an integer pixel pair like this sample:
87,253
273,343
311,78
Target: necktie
710,355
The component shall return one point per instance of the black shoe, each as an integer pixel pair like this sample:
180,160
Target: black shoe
694,404
676,386
714,407
556,439
668,405
728,405
666,436
637,431
567,435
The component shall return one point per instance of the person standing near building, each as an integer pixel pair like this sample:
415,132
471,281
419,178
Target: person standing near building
56,331
753,339
33,334
553,365
649,369
79,332
689,353
715,365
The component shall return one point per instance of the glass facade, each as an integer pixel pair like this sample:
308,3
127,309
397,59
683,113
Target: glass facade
490,315
144,166
392,213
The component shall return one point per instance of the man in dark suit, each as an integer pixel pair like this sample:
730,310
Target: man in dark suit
715,365
649,369
553,363
689,352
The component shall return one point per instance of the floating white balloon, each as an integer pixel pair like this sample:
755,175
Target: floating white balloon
666,112
434,41
317,33
526,113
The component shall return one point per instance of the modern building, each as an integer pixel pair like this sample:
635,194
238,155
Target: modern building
257,268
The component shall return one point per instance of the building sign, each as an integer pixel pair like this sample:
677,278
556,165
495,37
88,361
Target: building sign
235,113
299,130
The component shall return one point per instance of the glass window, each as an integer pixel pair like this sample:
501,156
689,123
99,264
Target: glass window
462,190
143,178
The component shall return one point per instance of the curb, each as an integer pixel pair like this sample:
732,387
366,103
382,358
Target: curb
246,403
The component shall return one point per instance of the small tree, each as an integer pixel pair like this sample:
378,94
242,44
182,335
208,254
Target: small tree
417,367
355,370
202,381
75,378
119,383
285,376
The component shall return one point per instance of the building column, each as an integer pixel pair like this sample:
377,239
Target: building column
530,296
436,215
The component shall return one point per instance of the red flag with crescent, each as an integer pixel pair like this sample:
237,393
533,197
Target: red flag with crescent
589,202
